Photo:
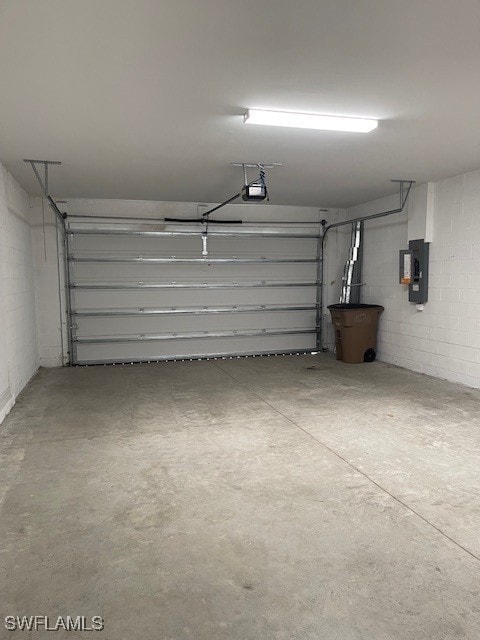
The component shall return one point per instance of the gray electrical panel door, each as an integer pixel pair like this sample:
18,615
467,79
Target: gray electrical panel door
418,287
145,292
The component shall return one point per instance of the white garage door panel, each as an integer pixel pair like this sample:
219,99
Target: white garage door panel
110,273
139,352
185,323
188,246
95,299
134,272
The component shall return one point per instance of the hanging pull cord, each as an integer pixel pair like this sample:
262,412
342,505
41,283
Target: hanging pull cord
261,179
205,241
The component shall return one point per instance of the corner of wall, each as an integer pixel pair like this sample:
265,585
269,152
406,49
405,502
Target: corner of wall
49,308
18,332
443,340
335,253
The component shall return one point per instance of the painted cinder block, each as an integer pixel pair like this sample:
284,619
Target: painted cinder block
18,330
451,316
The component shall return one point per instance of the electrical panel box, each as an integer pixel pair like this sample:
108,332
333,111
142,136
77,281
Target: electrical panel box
414,270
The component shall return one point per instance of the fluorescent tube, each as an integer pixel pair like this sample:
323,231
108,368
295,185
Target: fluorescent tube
309,121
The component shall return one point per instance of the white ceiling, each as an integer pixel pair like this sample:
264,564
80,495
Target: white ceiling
143,99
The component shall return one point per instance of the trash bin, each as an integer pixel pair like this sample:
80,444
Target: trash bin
355,331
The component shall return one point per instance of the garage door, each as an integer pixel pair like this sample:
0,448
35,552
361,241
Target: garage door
147,292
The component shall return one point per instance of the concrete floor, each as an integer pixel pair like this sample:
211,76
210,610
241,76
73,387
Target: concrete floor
244,500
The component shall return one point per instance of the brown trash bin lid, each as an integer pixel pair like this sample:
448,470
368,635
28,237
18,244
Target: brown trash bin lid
355,305
353,314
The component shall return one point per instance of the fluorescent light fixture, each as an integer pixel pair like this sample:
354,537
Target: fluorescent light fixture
309,121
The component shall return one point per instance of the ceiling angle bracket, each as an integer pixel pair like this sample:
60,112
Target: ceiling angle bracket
254,165
404,190
257,165
44,183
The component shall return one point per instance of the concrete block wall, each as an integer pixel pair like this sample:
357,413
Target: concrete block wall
444,339
18,328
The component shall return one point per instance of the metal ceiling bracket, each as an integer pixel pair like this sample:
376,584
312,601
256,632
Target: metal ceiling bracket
257,165
254,165
44,183
404,190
